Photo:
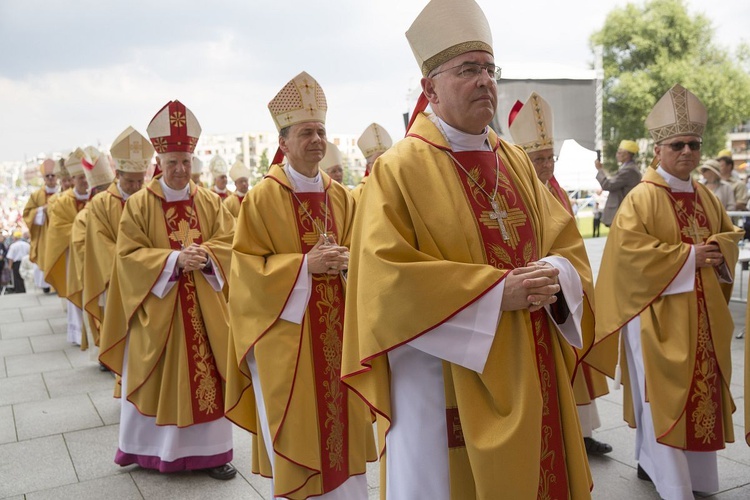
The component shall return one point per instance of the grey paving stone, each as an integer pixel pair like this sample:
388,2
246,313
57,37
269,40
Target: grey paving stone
55,416
35,465
616,481
25,329
622,440
10,316
47,343
191,485
79,358
7,425
737,451
42,312
36,363
742,493
22,389
120,487
610,415
59,325
106,405
93,452
14,347
3,373
15,301
77,381
733,474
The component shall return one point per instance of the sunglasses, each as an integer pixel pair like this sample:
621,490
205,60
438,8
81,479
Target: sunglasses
49,176
680,145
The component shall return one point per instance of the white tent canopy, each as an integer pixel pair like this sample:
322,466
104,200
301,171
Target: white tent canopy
574,169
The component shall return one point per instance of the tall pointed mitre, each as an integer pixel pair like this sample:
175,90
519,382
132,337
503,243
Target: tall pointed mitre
97,168
239,170
47,167
331,158
217,166
197,166
60,171
374,139
531,125
131,151
446,29
678,112
301,100
73,162
174,129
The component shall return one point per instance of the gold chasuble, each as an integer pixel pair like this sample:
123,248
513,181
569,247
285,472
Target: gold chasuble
356,192
440,246
105,210
76,258
233,203
179,341
588,383
37,200
685,337
61,214
321,431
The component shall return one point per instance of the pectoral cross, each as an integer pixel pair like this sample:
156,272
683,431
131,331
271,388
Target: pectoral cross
499,215
695,231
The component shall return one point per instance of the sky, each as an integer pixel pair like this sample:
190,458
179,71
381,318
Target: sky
78,72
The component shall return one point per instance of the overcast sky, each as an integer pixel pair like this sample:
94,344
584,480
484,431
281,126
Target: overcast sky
78,72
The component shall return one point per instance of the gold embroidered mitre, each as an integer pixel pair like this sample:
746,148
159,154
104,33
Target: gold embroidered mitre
131,151
217,166
97,168
174,129
531,126
374,139
446,29
197,166
47,167
301,100
678,112
73,162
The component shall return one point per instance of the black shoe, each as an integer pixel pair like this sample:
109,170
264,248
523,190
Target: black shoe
103,368
46,289
223,472
642,474
596,447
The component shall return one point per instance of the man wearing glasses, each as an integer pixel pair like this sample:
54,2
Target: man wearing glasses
35,215
465,293
672,234
619,185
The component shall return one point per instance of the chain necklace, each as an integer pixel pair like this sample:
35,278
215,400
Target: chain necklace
322,231
496,214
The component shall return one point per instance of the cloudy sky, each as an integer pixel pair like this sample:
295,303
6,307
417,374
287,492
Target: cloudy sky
77,72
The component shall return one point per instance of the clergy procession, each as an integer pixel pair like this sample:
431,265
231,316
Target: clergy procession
440,318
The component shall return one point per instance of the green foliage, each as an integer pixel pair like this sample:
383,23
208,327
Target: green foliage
649,48
263,165
351,178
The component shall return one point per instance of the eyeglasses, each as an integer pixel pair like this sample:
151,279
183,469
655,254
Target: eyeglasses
473,70
543,160
49,176
680,145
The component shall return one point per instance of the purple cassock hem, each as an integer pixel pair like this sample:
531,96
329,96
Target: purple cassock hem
185,463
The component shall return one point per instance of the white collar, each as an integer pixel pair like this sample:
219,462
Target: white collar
174,194
303,184
124,195
677,185
50,190
217,190
461,141
81,197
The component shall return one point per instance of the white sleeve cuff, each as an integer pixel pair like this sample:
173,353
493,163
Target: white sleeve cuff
215,278
570,284
163,285
295,308
466,338
685,280
39,216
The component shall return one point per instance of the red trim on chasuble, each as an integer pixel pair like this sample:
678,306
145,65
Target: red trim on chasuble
703,410
207,401
518,251
325,312
560,194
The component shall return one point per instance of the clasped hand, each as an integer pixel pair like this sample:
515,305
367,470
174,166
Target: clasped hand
192,258
326,257
707,255
532,287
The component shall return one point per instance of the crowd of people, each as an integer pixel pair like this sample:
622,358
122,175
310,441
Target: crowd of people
447,299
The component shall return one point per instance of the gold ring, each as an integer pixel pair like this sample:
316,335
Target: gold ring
708,261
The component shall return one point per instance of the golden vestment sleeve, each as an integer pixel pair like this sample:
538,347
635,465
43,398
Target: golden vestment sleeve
76,258
233,204
356,192
645,241
37,200
419,262
61,214
105,211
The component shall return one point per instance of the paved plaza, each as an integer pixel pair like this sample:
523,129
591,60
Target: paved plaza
59,424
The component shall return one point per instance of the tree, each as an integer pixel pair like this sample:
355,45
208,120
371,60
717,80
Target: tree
649,48
263,165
